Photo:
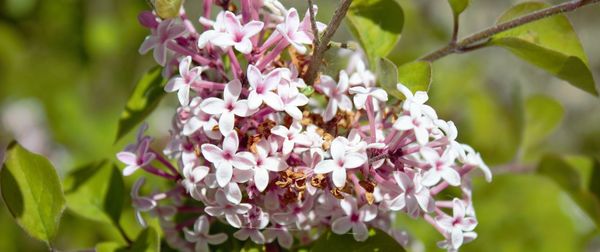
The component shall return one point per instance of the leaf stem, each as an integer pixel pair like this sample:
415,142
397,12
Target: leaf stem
467,43
319,50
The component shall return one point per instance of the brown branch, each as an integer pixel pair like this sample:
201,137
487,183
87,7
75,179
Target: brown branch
319,50
485,34
313,23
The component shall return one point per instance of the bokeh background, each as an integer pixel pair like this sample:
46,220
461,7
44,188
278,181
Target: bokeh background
68,66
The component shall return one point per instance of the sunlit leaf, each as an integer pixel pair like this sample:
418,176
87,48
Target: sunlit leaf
32,192
96,191
387,77
147,241
377,25
568,178
550,43
542,116
458,6
146,96
415,75
377,241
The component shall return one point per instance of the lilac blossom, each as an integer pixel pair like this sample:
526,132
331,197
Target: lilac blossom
183,83
354,219
226,158
336,93
166,32
201,237
228,107
341,160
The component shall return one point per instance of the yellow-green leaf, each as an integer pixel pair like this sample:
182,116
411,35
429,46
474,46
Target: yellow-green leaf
96,191
145,97
32,192
377,241
387,77
549,43
542,116
415,75
458,6
377,24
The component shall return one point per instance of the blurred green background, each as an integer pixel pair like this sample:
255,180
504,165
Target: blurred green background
68,66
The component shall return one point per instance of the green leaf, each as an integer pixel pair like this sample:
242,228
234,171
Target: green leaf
568,178
542,116
387,76
377,241
96,191
550,43
146,96
415,75
32,192
377,24
458,6
147,241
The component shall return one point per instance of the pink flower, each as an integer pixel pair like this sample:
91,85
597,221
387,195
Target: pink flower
456,225
201,237
291,136
361,94
262,163
440,167
136,160
235,34
228,107
225,208
281,233
361,75
225,159
255,221
198,119
218,29
141,204
416,122
355,219
262,87
167,31
336,92
192,175
413,195
341,160
292,99
183,83
290,30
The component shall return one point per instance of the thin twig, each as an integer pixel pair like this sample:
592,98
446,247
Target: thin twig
313,23
319,51
489,32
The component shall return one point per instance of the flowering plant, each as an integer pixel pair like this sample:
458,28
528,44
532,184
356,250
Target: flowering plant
275,145
280,156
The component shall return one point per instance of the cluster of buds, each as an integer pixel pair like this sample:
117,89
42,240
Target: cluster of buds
253,146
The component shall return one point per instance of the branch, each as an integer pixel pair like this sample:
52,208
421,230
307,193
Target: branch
313,23
485,34
319,51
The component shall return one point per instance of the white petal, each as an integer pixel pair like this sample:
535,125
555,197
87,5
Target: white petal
325,166
339,177
261,178
224,173
361,233
213,106
212,153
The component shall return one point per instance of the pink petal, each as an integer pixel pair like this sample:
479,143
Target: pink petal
244,46
353,160
130,170
341,225
261,178
339,177
232,90
149,43
226,123
325,166
212,153
451,176
233,220
127,158
252,28
160,54
337,149
292,21
233,193
361,233
403,123
273,101
224,173
216,238
231,142
184,95
201,225
213,106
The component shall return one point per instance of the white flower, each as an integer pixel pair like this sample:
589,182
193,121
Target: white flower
341,161
336,92
456,225
201,237
226,158
355,219
228,107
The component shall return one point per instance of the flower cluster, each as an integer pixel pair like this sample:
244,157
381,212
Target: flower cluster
255,147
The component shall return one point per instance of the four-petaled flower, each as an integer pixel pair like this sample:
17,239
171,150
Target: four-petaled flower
230,210
183,83
440,167
262,163
291,136
226,159
458,226
413,196
135,160
355,219
201,237
361,95
166,31
262,87
228,107
336,92
235,34
341,160
290,30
